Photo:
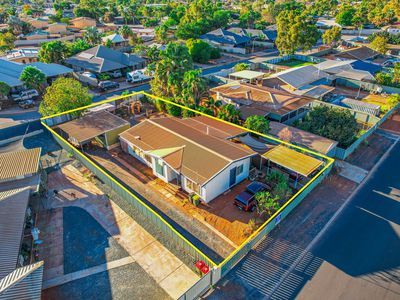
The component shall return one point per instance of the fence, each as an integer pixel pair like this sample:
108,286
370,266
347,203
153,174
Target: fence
344,153
199,287
121,191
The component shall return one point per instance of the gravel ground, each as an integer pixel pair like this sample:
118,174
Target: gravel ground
125,282
86,243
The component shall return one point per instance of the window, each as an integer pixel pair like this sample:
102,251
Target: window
191,185
239,170
159,167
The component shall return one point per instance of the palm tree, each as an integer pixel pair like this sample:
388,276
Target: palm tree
125,31
229,113
92,36
211,104
194,87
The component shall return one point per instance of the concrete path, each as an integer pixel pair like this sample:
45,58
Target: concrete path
351,172
164,267
87,272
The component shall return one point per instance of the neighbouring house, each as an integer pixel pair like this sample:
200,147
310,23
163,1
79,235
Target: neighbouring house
101,126
326,23
11,71
38,42
38,23
260,35
101,59
117,42
263,101
226,40
195,154
19,178
82,22
392,29
57,28
334,67
22,55
359,53
303,138
36,35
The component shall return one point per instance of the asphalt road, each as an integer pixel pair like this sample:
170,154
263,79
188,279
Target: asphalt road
361,250
358,257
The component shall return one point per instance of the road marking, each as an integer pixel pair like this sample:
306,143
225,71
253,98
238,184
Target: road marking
331,220
87,272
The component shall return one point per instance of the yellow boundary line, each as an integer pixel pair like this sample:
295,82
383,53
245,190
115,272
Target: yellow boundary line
328,159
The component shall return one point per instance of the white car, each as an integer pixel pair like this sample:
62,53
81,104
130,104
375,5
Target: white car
25,95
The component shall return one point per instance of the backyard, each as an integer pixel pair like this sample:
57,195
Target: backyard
294,63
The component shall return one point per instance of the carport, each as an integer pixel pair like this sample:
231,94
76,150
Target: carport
102,126
291,160
248,75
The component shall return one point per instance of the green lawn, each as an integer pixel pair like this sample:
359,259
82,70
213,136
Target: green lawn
295,63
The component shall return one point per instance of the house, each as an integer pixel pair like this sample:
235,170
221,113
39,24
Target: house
226,40
101,126
57,28
38,34
117,42
301,80
22,55
11,71
82,22
38,23
262,35
392,29
101,59
333,67
360,53
19,178
303,138
263,101
196,155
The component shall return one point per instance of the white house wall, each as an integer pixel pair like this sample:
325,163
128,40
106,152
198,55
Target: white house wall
220,183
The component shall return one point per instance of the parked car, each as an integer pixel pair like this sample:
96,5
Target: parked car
108,85
245,200
25,104
115,74
137,76
25,95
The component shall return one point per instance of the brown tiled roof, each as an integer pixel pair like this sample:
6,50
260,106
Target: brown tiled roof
19,163
91,125
261,98
201,157
301,137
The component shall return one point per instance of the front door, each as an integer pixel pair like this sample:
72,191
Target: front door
232,177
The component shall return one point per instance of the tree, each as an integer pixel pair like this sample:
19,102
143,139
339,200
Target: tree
7,40
125,31
345,15
92,36
266,202
199,50
396,73
333,123
161,34
210,106
241,66
229,113
379,44
64,94
194,87
4,89
393,100
295,31
332,35
258,124
33,78
77,46
53,52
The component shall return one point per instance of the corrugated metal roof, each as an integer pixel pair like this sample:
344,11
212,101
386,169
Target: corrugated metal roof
23,283
202,155
293,160
13,204
17,164
91,125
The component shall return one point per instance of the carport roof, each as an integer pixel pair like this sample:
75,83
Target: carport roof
248,74
293,160
92,125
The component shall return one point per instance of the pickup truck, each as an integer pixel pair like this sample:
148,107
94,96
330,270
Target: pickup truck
25,95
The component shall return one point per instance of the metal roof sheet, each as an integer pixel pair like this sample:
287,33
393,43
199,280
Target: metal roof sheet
17,164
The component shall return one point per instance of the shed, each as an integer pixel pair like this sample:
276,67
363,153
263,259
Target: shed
293,160
101,126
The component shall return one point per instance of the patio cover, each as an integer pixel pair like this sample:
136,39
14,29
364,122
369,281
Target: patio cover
247,74
293,160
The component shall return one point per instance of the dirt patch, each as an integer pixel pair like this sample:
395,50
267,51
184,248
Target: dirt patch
368,154
392,124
